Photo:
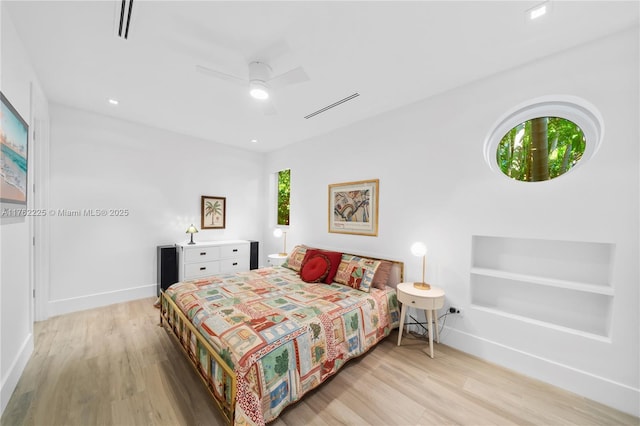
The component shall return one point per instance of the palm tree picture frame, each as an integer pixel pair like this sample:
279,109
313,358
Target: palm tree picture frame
213,212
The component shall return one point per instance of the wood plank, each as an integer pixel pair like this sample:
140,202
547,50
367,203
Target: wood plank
116,366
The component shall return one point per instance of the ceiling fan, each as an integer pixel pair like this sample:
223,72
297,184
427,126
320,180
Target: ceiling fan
260,82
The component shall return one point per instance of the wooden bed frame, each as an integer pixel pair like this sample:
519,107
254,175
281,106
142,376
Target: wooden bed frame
175,321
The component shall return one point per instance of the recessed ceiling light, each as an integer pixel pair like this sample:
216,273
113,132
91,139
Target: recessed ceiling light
113,102
537,11
254,140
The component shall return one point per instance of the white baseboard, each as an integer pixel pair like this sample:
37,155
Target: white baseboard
81,303
10,381
600,389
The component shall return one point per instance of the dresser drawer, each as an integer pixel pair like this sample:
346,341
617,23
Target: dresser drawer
201,254
234,265
203,269
420,302
234,250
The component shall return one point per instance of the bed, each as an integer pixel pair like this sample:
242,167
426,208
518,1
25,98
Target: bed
261,339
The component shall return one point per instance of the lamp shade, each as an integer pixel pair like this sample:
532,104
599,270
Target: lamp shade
278,232
192,230
418,249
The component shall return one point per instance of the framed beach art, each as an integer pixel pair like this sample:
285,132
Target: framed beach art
213,211
353,207
14,133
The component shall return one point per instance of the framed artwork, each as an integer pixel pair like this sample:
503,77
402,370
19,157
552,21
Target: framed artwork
213,211
353,207
14,133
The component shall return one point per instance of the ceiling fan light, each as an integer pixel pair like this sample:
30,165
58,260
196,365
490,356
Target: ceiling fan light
258,90
259,94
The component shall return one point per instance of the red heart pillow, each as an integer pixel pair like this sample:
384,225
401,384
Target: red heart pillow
334,258
315,269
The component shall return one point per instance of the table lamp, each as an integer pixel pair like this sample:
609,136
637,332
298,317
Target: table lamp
191,230
278,232
419,249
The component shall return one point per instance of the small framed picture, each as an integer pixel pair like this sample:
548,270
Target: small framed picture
213,211
353,207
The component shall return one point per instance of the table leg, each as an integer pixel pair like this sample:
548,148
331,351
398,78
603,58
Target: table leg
403,311
430,322
436,326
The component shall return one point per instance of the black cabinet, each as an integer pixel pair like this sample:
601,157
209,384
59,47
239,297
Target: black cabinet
167,266
253,260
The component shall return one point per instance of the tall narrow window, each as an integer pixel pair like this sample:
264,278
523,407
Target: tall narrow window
284,191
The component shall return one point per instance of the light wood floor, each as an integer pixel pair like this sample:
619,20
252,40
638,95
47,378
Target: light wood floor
115,366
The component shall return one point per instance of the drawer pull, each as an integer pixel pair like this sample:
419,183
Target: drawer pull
202,268
203,253
235,263
235,250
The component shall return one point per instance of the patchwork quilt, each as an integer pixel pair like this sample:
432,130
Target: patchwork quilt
281,335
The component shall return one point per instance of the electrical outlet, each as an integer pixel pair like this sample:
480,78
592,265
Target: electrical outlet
454,310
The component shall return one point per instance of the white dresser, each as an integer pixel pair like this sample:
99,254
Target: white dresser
213,257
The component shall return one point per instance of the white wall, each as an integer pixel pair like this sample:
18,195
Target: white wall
98,162
20,85
436,187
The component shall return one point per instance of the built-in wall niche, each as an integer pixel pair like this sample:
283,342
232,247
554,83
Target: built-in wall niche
562,284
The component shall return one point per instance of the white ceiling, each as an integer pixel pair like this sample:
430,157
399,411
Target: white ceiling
391,53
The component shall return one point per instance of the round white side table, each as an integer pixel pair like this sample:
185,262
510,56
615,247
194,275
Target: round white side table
430,300
276,259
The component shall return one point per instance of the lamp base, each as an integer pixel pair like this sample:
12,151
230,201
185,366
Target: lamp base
283,254
191,242
422,286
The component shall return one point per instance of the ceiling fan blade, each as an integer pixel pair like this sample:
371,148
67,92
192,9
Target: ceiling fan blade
294,76
222,76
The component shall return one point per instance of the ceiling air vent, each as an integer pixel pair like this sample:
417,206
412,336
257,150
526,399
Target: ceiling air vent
122,18
333,105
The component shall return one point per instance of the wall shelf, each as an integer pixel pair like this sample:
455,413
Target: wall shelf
563,284
544,324
573,285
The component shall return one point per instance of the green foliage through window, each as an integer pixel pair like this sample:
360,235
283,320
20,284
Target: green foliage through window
540,149
284,191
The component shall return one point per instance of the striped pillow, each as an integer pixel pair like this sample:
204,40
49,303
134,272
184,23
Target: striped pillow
294,261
